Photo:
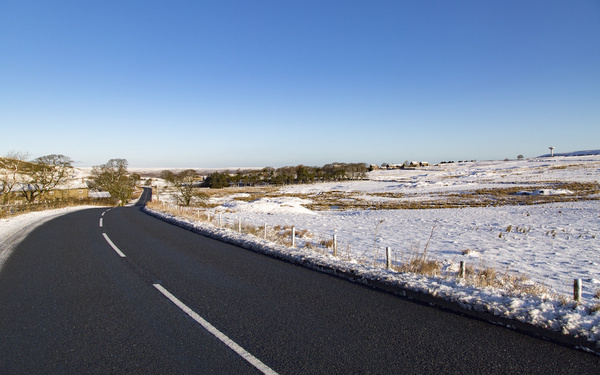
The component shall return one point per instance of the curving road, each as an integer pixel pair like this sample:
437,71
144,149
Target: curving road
118,291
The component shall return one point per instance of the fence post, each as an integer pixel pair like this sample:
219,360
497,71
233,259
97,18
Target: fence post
265,231
240,225
461,271
220,220
577,290
388,257
335,245
208,216
293,236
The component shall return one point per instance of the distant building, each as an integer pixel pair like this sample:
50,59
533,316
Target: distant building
412,165
99,194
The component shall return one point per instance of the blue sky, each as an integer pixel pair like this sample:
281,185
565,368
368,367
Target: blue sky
274,83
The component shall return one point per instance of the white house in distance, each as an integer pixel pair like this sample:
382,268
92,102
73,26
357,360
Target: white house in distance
411,165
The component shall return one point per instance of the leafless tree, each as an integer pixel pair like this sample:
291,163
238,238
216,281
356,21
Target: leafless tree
186,186
11,168
357,171
43,174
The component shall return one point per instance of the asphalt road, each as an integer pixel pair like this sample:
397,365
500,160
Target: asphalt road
70,303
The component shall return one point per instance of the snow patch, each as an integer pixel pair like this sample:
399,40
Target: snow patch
271,206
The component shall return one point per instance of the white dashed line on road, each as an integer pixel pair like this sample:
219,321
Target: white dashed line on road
113,246
218,334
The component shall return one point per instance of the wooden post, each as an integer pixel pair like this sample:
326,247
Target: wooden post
208,216
240,225
265,231
335,245
461,271
293,236
388,257
577,290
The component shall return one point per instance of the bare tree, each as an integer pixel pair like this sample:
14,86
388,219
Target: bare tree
184,185
114,178
357,171
11,168
43,174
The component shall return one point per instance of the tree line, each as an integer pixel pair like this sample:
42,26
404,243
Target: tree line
187,183
34,179
300,174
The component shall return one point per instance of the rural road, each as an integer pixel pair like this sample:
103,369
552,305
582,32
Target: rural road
118,291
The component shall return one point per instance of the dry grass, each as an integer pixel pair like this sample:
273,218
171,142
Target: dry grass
419,262
421,265
303,233
326,243
342,200
564,300
514,284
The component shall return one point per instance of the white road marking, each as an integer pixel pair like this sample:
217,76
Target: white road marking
218,334
113,245
100,222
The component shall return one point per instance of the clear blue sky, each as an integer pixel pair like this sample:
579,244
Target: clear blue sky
273,83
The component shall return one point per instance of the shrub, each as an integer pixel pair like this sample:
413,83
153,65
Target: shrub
326,243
